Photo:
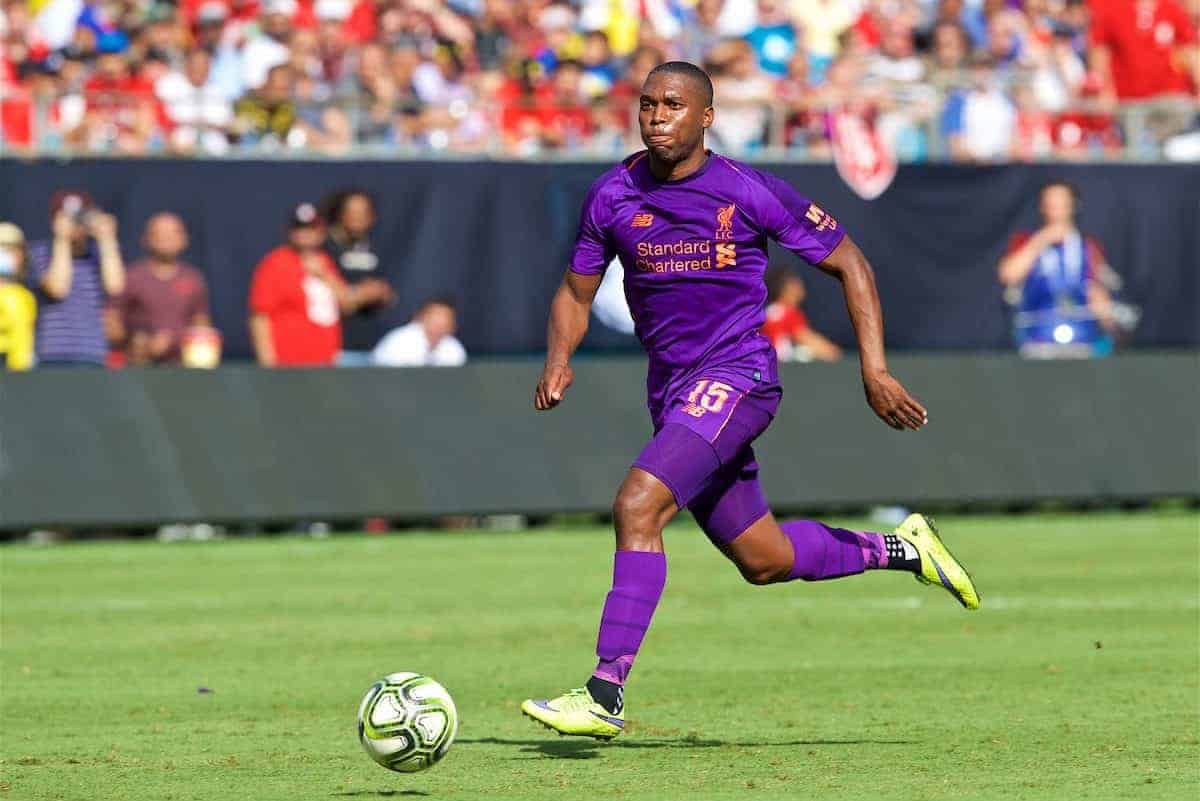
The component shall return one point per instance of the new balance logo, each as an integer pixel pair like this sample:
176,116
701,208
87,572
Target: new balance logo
726,254
642,221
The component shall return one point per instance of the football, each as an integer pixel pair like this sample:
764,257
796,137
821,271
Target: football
406,722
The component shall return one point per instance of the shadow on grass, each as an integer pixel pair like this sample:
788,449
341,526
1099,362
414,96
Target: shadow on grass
564,748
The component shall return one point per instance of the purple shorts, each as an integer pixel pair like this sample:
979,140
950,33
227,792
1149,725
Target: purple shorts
701,451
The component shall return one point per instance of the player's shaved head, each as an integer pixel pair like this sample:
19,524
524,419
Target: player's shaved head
696,76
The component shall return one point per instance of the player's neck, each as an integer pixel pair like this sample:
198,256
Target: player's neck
678,170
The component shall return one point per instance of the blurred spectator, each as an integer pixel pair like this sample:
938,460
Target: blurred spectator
269,48
73,275
351,216
743,95
1059,283
980,121
480,75
18,309
773,38
163,297
822,23
427,341
897,60
268,114
1144,48
196,106
787,326
600,73
121,112
297,298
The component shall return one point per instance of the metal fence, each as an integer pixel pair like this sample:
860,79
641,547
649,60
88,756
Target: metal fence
914,126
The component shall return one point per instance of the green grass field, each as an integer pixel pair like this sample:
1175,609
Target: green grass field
1077,680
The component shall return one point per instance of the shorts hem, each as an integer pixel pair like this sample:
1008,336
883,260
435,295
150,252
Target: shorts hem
652,470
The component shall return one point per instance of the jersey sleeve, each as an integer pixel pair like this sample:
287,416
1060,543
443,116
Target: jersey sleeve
593,243
796,222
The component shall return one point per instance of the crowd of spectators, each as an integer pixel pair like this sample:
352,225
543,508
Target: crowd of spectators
315,300
965,79
70,300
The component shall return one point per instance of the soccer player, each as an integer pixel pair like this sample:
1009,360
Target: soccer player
690,228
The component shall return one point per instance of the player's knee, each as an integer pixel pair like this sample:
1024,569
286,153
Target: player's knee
638,515
761,572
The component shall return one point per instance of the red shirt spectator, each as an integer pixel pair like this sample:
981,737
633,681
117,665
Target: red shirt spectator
784,324
16,115
1142,39
295,311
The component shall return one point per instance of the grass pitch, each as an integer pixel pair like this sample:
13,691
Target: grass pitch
1077,680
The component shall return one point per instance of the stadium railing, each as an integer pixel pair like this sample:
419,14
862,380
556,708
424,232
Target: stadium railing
111,124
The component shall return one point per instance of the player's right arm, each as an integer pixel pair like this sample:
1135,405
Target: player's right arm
573,301
569,312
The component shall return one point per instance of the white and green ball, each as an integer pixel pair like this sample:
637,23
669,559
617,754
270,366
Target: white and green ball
407,721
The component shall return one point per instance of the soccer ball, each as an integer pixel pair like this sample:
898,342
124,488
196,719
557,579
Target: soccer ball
407,721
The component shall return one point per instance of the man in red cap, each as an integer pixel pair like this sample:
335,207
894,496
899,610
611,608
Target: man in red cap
297,298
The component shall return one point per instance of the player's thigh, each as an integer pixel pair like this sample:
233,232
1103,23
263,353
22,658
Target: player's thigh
733,513
706,429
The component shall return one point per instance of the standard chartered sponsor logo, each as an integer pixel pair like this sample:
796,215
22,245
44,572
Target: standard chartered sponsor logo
681,256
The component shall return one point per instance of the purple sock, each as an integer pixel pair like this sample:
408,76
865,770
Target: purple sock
638,581
823,552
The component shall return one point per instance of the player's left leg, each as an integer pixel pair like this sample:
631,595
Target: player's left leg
735,516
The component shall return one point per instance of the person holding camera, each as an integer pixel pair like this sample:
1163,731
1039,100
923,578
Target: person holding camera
73,276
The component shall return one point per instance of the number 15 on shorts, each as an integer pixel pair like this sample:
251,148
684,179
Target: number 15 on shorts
708,396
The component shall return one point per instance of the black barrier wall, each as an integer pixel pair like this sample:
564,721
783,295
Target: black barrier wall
497,235
91,448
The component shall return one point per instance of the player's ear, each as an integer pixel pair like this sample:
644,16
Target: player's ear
708,117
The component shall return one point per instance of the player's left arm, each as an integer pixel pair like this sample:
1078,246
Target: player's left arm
886,396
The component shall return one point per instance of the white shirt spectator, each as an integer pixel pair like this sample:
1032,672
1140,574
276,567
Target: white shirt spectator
407,346
989,120
201,113
258,57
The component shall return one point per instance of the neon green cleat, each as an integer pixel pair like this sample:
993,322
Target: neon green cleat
576,712
938,565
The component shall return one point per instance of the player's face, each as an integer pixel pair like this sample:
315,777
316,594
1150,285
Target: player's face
673,115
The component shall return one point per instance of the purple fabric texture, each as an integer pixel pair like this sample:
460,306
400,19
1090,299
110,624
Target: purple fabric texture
823,552
638,581
694,253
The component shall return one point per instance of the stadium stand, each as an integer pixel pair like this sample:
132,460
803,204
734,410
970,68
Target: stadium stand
968,81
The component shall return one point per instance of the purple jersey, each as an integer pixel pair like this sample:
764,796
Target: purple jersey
695,253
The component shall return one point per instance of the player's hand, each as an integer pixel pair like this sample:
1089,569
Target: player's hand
891,401
552,386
